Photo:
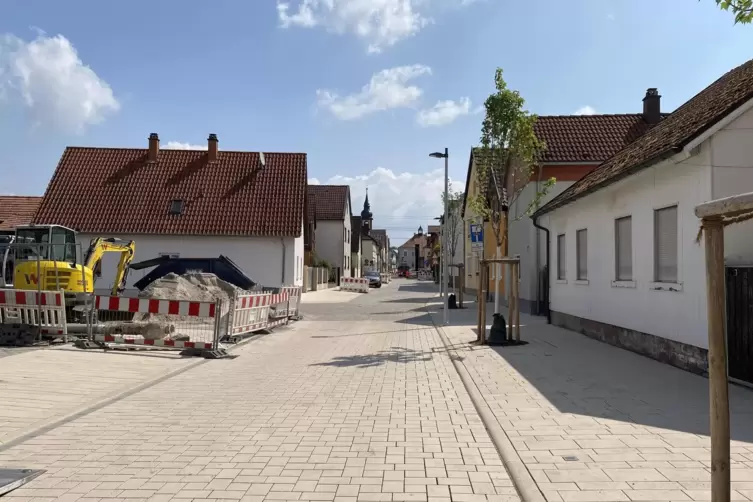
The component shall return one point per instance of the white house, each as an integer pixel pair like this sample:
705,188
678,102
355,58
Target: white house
575,145
329,208
248,206
625,266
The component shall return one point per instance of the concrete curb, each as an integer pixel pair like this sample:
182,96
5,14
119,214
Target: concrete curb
53,423
516,468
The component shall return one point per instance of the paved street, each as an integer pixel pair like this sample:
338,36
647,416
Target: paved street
358,402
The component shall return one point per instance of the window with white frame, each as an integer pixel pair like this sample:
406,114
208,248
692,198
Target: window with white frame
665,244
581,254
561,265
623,249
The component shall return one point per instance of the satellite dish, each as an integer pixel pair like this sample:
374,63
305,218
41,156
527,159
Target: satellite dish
261,158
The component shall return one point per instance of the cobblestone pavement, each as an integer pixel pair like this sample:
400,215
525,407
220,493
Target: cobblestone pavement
357,402
596,423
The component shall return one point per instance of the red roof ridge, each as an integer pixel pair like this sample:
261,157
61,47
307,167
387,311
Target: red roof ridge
123,148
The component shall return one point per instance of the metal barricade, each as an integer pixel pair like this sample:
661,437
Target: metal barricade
355,284
31,313
158,323
294,294
278,312
250,313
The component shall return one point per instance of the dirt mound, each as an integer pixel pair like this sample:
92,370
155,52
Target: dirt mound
195,287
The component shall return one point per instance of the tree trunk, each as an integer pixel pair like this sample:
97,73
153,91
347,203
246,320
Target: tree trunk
497,271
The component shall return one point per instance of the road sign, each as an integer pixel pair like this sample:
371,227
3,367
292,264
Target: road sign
477,237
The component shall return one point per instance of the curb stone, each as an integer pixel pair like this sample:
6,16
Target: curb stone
514,465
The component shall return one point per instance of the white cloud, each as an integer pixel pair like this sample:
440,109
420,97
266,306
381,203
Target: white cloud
444,112
54,84
380,23
585,110
177,145
400,202
314,181
386,90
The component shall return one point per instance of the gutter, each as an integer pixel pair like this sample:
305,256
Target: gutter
535,219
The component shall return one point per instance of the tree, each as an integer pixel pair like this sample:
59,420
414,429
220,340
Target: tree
454,222
505,163
742,9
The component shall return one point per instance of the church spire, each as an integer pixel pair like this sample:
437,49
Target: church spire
366,213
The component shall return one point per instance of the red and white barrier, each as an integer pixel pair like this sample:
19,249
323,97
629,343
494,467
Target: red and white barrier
294,299
250,314
155,306
182,308
45,310
356,284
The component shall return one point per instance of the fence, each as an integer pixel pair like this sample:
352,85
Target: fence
357,284
425,275
164,323
31,314
315,278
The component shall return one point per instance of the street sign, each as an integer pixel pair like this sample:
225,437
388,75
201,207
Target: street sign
477,237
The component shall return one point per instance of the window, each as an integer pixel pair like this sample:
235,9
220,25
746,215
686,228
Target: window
176,206
561,268
581,253
623,248
665,244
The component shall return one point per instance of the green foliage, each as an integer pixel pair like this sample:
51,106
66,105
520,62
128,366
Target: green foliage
507,157
742,9
454,205
318,262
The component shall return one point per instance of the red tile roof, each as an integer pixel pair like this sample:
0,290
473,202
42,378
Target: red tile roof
115,190
328,202
17,210
668,137
381,237
587,138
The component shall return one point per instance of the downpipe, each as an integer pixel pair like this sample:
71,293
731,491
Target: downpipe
548,269
282,275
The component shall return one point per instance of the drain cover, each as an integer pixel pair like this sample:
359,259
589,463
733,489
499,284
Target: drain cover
570,458
10,479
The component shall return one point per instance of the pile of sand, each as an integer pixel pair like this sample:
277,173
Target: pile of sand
191,286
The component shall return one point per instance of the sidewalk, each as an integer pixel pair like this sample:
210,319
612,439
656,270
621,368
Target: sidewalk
40,387
594,422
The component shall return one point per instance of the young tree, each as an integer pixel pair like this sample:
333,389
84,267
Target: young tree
454,223
505,162
742,9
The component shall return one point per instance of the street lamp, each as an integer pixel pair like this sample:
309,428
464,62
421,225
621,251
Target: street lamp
443,242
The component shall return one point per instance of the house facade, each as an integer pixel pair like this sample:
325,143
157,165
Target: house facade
381,237
415,252
355,247
248,206
330,210
625,266
575,146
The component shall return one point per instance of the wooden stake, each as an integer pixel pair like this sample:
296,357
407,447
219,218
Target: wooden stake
511,299
479,300
482,305
717,356
516,270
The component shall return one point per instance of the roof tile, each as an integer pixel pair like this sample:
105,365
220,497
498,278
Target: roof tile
17,210
115,190
669,136
328,202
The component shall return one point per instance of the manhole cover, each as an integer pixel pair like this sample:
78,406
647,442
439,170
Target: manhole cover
10,479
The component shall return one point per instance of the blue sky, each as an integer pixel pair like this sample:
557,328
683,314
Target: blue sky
96,73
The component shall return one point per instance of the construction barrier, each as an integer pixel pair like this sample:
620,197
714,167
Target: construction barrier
279,307
250,313
157,322
294,294
357,284
43,310
425,275
386,278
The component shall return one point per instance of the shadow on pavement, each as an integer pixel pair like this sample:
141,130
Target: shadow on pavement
395,355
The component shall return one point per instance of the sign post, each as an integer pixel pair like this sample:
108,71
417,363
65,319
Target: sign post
477,237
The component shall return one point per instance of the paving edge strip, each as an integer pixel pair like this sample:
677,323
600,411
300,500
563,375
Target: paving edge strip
53,423
516,468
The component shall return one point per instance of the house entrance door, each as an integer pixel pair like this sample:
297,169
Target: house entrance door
740,323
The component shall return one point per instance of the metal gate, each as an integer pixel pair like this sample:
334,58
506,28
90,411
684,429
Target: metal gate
740,323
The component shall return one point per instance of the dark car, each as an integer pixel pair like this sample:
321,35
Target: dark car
375,280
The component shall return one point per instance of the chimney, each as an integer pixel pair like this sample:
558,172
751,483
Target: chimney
652,106
212,150
153,147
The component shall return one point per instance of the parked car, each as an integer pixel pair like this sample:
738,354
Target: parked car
410,274
375,280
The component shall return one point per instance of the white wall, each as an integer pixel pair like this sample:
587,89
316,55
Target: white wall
642,305
261,258
331,244
731,152
369,252
407,256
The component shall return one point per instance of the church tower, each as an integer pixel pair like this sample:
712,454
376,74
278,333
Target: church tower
366,216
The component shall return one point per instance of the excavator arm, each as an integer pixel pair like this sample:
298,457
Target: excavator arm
100,246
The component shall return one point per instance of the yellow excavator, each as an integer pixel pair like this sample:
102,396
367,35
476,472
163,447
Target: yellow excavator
45,258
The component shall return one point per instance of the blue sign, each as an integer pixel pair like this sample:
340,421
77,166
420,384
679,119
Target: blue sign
477,237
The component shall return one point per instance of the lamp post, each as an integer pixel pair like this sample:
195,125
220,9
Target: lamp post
443,241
